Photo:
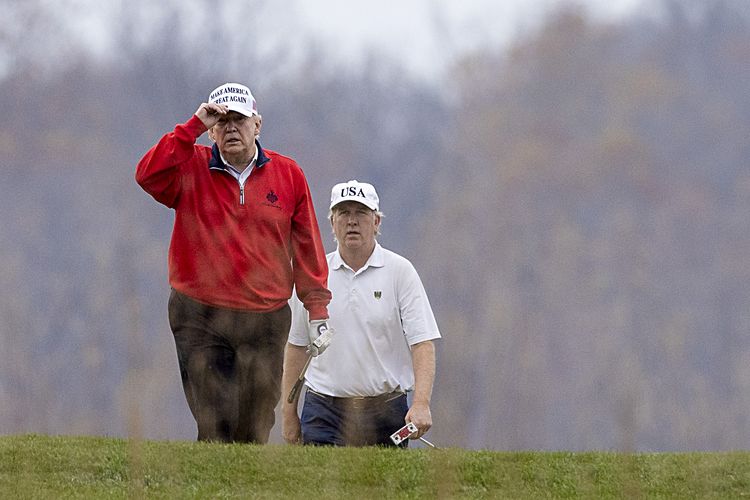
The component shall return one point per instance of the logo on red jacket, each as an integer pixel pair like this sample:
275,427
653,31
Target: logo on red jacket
271,200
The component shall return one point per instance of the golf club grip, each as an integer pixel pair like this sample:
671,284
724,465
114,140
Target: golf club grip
295,390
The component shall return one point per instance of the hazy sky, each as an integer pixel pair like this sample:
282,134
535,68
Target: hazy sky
425,33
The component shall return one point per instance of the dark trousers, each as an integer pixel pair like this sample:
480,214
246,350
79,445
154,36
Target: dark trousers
231,364
352,421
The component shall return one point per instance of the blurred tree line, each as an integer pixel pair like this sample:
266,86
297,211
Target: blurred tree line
576,205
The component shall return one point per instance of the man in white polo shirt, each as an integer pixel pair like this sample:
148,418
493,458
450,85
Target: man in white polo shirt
382,349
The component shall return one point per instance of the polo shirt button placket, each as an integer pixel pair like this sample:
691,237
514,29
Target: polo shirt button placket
353,299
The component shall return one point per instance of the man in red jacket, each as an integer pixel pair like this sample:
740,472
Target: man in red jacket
245,233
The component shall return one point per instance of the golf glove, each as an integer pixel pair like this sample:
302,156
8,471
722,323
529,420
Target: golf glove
320,337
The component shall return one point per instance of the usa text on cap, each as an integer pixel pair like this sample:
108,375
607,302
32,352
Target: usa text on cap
353,190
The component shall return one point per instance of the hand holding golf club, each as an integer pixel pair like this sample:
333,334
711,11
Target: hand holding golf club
409,431
320,337
419,414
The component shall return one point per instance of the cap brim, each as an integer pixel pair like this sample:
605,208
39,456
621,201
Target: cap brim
358,200
241,110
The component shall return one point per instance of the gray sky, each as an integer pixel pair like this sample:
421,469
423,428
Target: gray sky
424,34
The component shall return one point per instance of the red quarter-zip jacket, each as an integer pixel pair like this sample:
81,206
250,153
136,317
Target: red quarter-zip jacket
235,248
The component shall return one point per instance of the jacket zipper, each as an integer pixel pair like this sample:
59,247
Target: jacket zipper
242,194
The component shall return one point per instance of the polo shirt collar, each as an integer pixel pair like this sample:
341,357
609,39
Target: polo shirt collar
376,259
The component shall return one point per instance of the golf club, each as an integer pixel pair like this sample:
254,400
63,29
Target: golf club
299,382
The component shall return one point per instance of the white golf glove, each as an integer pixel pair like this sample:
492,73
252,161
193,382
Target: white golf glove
320,337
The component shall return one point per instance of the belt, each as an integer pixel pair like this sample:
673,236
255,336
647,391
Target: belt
359,401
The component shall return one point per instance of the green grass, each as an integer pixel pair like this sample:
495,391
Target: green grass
34,466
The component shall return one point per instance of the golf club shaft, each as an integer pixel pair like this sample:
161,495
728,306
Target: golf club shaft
427,443
299,382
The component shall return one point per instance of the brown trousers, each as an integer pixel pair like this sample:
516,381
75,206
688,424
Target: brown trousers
231,365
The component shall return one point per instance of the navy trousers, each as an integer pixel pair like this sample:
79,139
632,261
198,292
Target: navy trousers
328,420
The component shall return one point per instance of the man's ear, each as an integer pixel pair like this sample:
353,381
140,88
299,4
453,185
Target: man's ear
258,125
211,134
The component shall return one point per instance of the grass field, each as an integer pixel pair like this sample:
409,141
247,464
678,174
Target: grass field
34,466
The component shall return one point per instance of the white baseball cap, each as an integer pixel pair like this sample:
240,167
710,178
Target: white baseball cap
361,192
236,97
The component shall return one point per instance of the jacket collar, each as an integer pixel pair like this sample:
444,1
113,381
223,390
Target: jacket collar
216,163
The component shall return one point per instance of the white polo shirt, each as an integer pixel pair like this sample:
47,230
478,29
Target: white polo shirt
376,314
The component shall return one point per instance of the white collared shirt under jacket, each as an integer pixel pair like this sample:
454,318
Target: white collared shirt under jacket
376,314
